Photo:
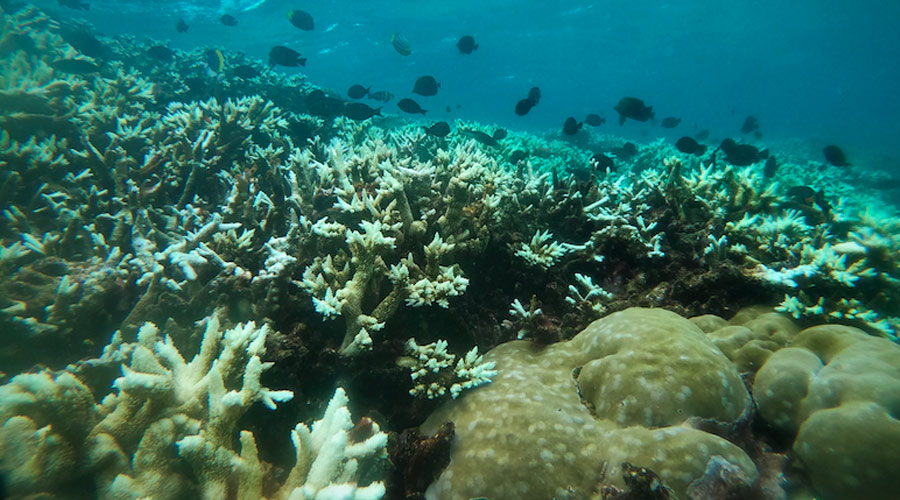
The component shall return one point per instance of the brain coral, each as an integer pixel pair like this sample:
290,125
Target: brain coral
559,422
838,391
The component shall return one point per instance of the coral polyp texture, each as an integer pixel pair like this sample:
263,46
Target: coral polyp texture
190,215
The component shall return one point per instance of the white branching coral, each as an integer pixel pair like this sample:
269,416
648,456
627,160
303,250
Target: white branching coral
433,372
542,251
587,293
525,319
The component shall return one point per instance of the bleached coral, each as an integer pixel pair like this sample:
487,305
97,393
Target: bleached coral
434,375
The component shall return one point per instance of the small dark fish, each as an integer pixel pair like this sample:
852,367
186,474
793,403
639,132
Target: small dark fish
542,152
439,129
282,56
626,151
181,26
215,60
603,162
466,44
594,120
381,96
360,111
500,134
319,104
517,156
750,125
802,194
740,155
85,43
401,44
228,20
301,19
670,122
358,92
823,203
534,95
73,4
835,156
245,71
524,106
690,146
426,86
160,52
75,66
410,106
634,108
479,136
702,134
770,168
571,126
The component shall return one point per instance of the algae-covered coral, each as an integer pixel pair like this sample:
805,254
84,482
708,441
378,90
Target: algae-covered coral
292,252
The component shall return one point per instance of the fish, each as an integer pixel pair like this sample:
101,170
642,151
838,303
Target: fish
358,92
75,66
245,71
634,108
478,136
702,134
802,194
670,122
228,20
517,156
571,126
625,151
74,4
466,44
426,86
301,19
181,26
524,106
410,106
603,162
770,168
500,134
215,60
320,104
750,125
439,129
85,43
690,146
835,156
594,120
534,95
401,44
741,155
360,111
283,56
160,52
381,95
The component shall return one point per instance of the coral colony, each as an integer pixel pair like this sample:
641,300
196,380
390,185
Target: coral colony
242,248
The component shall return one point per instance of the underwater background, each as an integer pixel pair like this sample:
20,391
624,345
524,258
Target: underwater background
449,250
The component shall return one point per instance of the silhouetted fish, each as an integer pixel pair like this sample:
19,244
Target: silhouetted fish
320,104
439,129
534,95
670,122
75,66
517,156
85,43
466,44
690,146
594,120
410,106
283,56
426,86
215,60
802,194
181,26
499,134
479,136
770,168
702,134
381,95
741,155
634,108
750,125
228,20
301,19
358,91
626,151
603,161
835,156
571,126
360,111
245,71
74,4
401,44
524,106
160,52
